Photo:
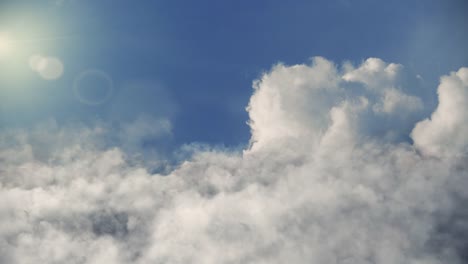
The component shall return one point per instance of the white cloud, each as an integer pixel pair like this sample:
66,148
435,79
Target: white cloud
394,101
293,101
381,79
318,185
446,132
373,72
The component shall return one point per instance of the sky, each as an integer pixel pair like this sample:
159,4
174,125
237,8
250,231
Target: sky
233,131
195,60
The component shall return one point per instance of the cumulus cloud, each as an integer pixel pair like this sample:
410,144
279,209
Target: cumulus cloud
318,184
373,72
446,132
393,101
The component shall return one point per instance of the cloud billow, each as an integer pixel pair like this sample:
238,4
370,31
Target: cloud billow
328,178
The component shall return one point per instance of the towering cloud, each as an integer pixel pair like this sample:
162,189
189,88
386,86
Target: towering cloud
330,177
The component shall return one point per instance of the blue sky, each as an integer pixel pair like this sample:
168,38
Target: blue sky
194,61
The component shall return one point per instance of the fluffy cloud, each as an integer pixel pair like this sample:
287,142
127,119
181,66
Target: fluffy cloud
446,132
394,100
319,183
373,72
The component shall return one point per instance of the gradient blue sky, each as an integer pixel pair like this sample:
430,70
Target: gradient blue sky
194,61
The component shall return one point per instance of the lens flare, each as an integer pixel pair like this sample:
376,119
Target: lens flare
93,87
49,68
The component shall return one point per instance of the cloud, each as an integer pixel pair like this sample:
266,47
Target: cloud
374,73
293,101
319,183
393,101
446,132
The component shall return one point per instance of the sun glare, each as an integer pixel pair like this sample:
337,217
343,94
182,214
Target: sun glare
5,44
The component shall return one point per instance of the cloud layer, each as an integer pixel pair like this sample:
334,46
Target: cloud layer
330,177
